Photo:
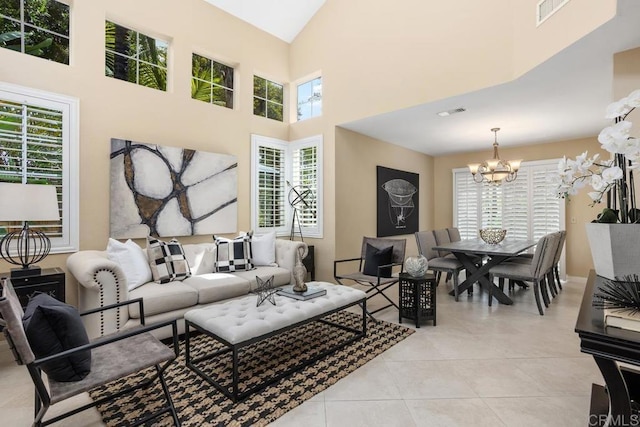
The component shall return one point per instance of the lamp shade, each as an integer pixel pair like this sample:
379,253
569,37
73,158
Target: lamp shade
28,202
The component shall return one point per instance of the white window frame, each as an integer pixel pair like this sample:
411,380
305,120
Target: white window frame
531,165
288,147
296,101
267,101
69,242
226,64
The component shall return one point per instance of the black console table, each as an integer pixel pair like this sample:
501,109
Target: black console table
608,346
51,281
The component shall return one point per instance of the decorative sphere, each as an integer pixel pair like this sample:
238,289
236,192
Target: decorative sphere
492,236
416,266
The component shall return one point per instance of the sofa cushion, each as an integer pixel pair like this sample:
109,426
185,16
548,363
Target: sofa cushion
214,287
233,254
281,276
132,260
167,260
160,298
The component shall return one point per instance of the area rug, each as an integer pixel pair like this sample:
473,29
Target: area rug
200,404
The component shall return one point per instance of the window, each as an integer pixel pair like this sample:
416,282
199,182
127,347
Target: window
36,27
267,99
135,57
39,145
310,99
527,207
211,81
277,168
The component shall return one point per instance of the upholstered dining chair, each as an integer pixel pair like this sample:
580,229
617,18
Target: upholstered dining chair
377,259
438,263
112,357
535,271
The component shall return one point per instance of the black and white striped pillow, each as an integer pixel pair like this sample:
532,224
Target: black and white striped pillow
167,260
234,254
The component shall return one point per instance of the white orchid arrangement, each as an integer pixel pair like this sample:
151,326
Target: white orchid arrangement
612,177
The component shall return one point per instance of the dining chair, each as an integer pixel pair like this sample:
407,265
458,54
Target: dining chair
425,241
378,277
112,357
534,272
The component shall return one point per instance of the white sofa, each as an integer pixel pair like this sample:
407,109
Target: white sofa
103,282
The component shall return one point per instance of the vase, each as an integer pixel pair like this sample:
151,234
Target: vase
416,266
614,248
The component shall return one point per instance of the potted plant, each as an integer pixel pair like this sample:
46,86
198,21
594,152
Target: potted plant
614,236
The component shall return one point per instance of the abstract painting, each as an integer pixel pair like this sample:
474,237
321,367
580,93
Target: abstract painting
168,191
397,201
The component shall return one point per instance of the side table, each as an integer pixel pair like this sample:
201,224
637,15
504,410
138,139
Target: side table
51,281
417,298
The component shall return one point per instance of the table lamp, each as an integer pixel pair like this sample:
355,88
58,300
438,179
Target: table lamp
27,202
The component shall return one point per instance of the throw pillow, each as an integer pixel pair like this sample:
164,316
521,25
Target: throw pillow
375,257
263,249
234,254
131,258
167,260
52,327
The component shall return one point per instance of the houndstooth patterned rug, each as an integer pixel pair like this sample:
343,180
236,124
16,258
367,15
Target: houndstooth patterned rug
200,404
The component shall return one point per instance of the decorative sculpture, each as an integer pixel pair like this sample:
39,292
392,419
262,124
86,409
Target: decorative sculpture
299,273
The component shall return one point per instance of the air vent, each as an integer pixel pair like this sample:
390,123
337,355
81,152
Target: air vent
546,8
450,112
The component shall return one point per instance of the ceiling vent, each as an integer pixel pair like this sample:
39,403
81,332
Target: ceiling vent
450,112
546,8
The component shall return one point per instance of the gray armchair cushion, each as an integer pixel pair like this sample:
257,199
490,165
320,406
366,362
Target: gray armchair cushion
51,327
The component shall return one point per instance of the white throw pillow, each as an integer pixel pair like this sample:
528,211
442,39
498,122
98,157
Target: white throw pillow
263,248
132,260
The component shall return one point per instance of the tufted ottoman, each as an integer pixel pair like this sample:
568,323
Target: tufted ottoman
238,323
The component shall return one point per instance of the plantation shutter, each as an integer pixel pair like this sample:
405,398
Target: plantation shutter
527,207
546,206
271,191
305,176
491,207
466,205
515,206
276,168
31,152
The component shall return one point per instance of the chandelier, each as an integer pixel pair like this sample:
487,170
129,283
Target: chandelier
495,171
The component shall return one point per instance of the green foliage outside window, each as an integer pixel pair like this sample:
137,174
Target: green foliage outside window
36,27
211,81
135,57
267,99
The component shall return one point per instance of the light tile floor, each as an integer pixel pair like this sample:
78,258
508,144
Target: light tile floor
481,365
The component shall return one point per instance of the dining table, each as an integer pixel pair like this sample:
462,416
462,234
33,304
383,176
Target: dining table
467,249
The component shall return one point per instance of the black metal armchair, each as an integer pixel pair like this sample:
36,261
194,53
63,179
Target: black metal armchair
380,278
112,357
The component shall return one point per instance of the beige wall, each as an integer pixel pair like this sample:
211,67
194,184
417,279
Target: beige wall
356,191
378,57
578,256
112,108
373,58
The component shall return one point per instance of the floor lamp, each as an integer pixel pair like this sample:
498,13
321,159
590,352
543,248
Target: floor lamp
27,202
